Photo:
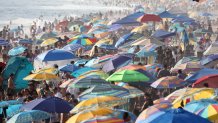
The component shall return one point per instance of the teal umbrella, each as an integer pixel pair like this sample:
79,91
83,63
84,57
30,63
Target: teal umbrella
16,51
9,102
29,116
13,110
81,71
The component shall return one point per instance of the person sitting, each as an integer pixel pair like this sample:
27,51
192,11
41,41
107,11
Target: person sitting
181,75
164,72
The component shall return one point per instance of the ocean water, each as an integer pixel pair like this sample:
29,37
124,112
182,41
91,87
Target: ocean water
25,11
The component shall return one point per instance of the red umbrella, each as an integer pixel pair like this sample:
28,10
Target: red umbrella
211,81
149,18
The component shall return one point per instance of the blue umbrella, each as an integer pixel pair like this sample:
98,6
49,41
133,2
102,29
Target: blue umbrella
107,46
174,116
72,47
166,14
51,105
130,19
114,27
198,105
116,62
3,42
127,39
68,68
16,51
201,73
81,71
81,61
56,55
29,116
25,41
8,103
13,110
161,34
209,59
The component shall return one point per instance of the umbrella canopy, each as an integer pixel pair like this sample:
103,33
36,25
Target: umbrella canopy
174,116
41,76
8,103
25,41
162,34
210,112
46,35
211,81
148,41
116,62
3,42
140,29
152,110
51,105
195,106
49,41
187,59
211,59
99,73
133,92
127,38
149,18
72,47
98,102
87,115
107,46
168,82
201,73
81,71
13,110
132,67
55,55
128,76
68,68
104,90
212,49
89,81
166,14
188,67
130,19
16,51
105,119
82,40
29,116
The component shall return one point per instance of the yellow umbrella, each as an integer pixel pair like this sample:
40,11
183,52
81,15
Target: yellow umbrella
140,29
105,40
49,41
46,70
98,102
190,94
41,76
87,115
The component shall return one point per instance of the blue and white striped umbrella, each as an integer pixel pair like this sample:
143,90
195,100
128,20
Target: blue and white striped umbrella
29,116
72,47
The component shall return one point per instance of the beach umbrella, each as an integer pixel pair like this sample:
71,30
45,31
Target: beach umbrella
68,68
103,90
210,60
149,18
98,102
82,40
41,76
195,106
88,81
25,41
206,14
99,73
51,105
13,110
133,92
187,95
16,51
188,67
90,114
107,46
209,112
49,41
166,14
199,74
46,70
81,71
104,119
187,59
55,55
104,41
132,67
72,47
29,116
116,62
66,83
148,41
140,29
174,116
46,35
128,76
210,80
202,31
4,104
162,100
162,34
81,61
168,82
3,42
152,110
212,49
145,53
114,27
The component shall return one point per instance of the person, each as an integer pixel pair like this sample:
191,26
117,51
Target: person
126,117
181,75
11,85
164,72
56,71
148,102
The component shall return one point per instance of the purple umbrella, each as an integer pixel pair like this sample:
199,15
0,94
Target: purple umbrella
116,62
51,105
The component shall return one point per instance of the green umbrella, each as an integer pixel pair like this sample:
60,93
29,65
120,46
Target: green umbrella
128,76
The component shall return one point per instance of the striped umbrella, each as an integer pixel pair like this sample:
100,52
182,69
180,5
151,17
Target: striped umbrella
29,116
210,112
105,119
83,40
100,73
81,71
104,90
133,92
188,67
88,81
72,47
132,67
152,110
168,82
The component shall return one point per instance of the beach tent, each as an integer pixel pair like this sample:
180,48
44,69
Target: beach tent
130,19
162,34
20,67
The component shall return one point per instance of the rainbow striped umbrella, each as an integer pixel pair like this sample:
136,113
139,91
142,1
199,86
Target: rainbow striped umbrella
168,82
83,40
104,119
152,110
210,112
